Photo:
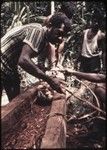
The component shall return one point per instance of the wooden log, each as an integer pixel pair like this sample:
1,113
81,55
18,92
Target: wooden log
55,133
12,112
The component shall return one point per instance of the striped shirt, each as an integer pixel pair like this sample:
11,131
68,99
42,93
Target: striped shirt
11,44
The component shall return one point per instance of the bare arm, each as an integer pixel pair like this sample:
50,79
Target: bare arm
29,66
93,77
46,21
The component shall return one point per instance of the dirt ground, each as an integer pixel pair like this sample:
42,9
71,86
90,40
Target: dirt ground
30,129
83,134
86,135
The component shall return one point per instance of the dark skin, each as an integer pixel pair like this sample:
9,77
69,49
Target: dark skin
12,89
29,66
93,77
55,52
100,79
91,34
54,35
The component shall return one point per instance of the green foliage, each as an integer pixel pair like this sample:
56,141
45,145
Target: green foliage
85,13
18,13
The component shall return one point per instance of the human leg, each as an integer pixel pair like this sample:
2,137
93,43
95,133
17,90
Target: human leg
95,64
11,85
90,65
84,65
100,92
1,89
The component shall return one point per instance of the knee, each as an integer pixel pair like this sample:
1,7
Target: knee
100,93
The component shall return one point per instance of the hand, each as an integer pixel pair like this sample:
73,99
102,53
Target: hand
55,84
67,71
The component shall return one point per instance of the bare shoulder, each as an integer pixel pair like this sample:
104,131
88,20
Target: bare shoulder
47,20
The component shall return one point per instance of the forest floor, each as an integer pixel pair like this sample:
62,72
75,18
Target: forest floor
85,133
29,131
86,127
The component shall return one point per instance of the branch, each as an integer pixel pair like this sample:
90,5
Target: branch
97,101
90,104
90,91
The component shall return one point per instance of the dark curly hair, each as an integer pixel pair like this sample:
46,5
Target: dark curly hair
68,9
58,18
95,27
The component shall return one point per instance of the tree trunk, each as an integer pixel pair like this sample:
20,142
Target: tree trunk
52,7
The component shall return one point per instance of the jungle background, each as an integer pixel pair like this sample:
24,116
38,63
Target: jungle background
84,13
19,13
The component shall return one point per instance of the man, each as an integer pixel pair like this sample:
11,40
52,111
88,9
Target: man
91,53
100,79
23,43
68,9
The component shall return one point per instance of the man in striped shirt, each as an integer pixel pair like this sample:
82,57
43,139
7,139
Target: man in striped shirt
23,43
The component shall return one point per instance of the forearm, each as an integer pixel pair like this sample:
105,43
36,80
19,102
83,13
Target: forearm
29,66
89,76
